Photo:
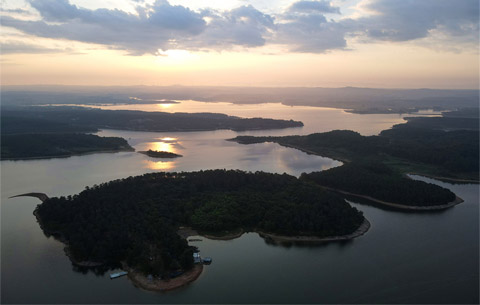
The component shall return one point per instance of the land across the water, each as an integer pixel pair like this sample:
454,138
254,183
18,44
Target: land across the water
358,100
54,145
51,132
94,119
377,167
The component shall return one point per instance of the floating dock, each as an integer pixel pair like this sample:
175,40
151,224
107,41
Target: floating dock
207,260
118,274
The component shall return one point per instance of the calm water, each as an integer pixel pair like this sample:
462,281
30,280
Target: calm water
404,258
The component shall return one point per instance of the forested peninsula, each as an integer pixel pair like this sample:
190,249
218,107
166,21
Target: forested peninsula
94,119
134,221
38,146
376,166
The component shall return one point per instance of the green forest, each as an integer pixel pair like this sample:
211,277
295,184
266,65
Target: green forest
136,219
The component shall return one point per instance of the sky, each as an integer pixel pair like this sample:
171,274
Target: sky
298,43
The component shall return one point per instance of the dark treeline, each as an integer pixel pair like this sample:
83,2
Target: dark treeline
376,180
453,153
144,121
135,219
24,146
25,125
375,165
450,122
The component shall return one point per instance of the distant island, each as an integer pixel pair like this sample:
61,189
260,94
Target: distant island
376,166
133,222
39,146
159,154
94,119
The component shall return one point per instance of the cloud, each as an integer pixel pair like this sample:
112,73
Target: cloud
311,33
318,6
14,10
302,27
243,26
15,47
409,20
153,28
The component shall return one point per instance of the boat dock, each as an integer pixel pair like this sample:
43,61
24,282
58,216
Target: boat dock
118,274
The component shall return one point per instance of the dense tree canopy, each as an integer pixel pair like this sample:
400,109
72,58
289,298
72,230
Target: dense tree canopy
24,146
376,180
89,118
136,219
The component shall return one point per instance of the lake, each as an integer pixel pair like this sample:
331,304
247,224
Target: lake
404,258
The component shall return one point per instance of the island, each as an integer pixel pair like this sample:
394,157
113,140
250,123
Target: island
134,222
377,167
39,146
159,154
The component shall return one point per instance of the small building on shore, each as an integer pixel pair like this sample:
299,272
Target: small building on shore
197,259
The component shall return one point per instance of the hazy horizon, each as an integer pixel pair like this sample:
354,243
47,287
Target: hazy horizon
242,43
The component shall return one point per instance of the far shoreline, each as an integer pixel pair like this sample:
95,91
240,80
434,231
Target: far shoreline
69,155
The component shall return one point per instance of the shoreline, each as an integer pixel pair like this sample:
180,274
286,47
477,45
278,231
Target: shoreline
398,205
141,281
68,156
186,232
361,230
445,179
311,152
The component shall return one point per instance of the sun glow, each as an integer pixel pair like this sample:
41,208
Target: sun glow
165,106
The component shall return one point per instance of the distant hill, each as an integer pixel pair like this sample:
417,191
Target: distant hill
361,100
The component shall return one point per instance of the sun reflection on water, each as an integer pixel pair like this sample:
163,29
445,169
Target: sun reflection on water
168,144
165,106
159,165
